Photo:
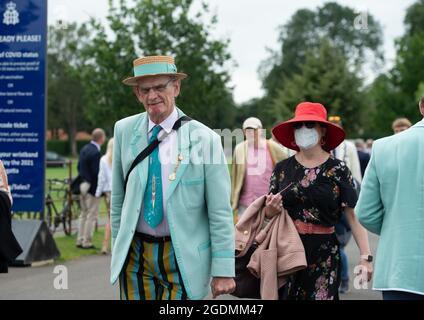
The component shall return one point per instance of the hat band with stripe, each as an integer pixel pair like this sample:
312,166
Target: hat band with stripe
154,68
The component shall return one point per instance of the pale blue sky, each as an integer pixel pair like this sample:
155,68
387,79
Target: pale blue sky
252,25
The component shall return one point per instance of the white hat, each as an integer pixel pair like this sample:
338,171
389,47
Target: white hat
252,122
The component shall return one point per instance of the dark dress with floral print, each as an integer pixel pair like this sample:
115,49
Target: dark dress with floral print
318,196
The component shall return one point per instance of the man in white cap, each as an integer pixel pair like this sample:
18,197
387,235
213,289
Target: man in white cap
253,162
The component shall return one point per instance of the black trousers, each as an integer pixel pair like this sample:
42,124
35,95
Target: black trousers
401,295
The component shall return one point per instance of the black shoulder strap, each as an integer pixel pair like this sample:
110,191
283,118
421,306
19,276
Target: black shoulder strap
152,146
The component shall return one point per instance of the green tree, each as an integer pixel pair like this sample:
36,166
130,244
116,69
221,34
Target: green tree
256,108
65,88
396,93
325,78
304,32
386,104
414,19
151,27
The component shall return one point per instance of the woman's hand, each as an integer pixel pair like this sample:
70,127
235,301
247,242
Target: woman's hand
3,177
273,205
367,268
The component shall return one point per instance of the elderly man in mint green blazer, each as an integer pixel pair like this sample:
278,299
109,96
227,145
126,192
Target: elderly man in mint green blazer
391,205
172,226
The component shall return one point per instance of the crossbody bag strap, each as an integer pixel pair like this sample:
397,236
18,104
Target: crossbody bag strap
152,146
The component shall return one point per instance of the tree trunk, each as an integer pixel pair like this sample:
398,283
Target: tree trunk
73,134
73,141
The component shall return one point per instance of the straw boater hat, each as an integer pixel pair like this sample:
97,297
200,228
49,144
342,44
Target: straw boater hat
153,66
308,111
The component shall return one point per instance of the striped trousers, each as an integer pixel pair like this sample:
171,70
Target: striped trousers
151,272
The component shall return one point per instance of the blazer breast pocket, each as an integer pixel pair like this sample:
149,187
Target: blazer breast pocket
193,191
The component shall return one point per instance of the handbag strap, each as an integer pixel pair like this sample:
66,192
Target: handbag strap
152,146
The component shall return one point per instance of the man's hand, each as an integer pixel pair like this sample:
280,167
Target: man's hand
221,285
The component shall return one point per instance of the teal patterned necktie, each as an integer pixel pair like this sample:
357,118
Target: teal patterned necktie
153,206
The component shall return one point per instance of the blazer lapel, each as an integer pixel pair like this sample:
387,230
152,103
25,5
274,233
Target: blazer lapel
138,143
182,151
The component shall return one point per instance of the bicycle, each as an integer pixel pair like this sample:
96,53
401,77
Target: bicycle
70,205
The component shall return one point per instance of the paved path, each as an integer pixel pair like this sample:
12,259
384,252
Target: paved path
88,279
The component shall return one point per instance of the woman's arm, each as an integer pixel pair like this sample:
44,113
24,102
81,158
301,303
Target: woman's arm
273,203
101,179
4,185
360,235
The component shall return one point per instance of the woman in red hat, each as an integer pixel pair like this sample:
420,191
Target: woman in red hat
317,190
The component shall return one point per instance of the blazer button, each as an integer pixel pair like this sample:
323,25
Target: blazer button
246,232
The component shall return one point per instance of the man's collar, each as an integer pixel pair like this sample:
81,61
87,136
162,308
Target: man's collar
419,123
166,124
96,144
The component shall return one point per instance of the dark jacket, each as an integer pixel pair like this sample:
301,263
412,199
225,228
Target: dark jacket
9,246
88,165
364,158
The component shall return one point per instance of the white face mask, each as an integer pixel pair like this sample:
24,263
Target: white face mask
306,138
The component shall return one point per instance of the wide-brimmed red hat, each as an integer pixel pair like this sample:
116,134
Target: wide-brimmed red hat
308,111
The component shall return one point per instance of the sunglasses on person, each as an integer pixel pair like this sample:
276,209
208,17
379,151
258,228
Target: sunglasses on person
307,124
158,88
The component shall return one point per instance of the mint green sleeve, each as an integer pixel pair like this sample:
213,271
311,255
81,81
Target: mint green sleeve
217,194
117,194
370,209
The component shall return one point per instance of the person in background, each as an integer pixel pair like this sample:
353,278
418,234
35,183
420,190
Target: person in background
391,206
88,169
364,157
9,246
347,153
253,162
401,124
104,187
368,145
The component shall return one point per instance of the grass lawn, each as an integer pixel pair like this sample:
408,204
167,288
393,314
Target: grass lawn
68,250
62,173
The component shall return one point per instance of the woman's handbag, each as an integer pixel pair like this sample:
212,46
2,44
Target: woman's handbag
247,285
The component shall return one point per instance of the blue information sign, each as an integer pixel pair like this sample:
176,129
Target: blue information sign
23,32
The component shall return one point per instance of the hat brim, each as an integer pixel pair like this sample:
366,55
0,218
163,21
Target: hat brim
132,81
252,127
284,133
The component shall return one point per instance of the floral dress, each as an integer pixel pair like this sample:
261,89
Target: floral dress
318,196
